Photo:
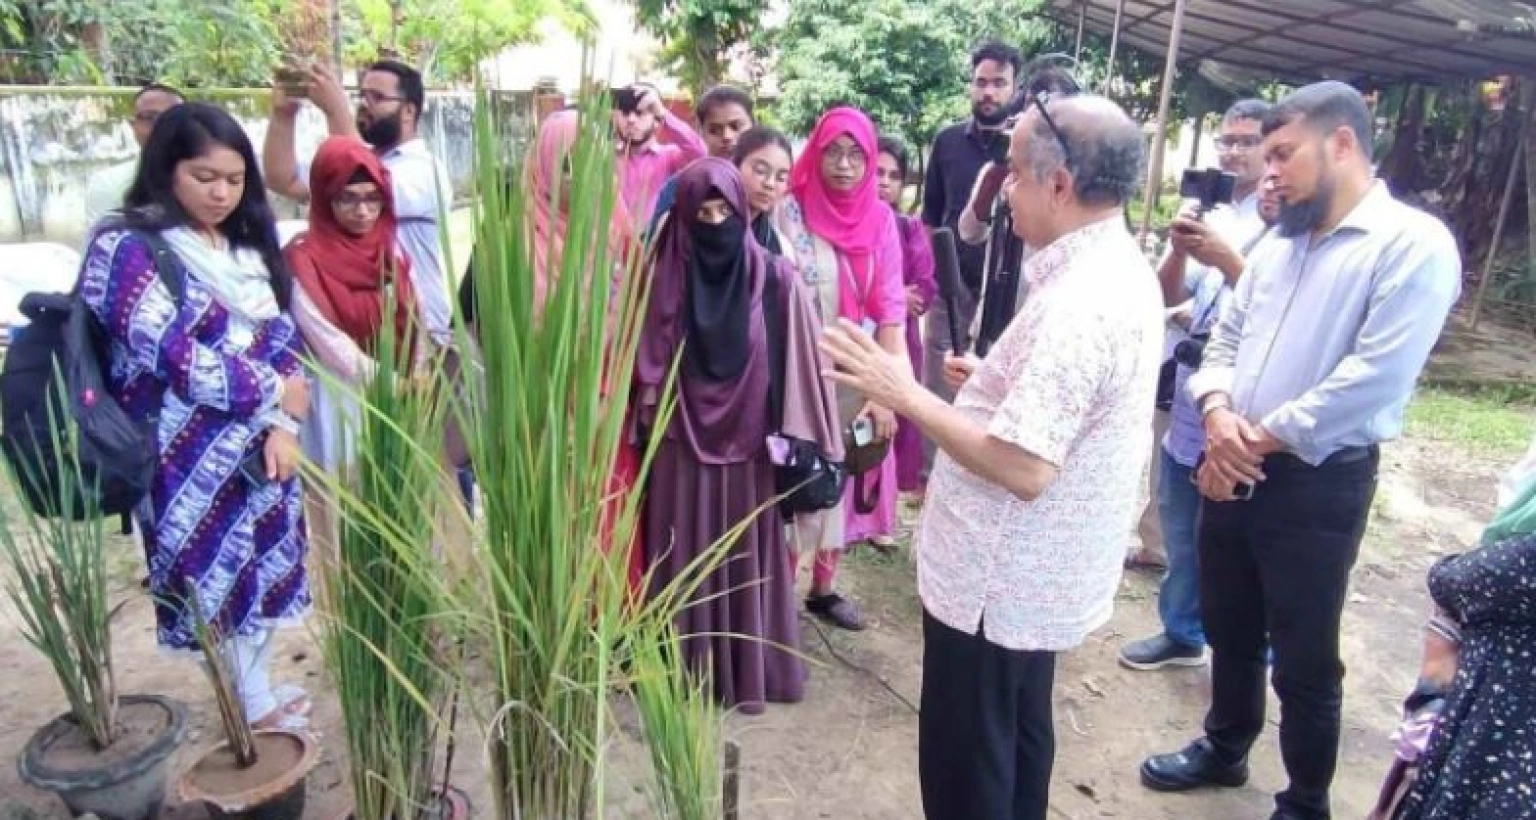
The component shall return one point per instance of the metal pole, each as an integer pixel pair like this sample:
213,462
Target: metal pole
1498,225
1114,46
1082,21
1160,139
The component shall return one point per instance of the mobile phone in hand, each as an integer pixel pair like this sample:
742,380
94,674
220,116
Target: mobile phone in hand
254,469
863,431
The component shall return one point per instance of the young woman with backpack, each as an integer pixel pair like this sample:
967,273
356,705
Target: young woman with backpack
219,369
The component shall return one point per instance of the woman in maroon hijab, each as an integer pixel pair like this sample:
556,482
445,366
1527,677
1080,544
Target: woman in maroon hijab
713,468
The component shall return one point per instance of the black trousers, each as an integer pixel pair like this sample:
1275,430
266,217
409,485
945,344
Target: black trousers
1274,572
985,738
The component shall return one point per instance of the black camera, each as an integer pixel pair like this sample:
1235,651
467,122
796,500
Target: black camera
1190,351
1210,187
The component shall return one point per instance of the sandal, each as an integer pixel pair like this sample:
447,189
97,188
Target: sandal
836,610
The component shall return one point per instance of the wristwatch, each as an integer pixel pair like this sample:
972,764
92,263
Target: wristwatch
1214,402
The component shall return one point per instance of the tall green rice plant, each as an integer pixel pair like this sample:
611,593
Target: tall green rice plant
58,583
385,624
545,432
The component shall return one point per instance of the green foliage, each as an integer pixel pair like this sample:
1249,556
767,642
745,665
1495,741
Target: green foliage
57,581
899,61
128,42
382,591
447,39
698,36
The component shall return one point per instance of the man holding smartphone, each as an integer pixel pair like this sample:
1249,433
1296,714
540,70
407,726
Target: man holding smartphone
1311,366
1202,266
644,162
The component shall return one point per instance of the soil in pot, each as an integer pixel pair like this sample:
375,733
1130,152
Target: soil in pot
271,789
125,781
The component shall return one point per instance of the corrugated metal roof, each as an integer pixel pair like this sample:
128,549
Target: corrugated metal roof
1303,40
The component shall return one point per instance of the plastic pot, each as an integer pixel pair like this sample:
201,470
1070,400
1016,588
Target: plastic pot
125,781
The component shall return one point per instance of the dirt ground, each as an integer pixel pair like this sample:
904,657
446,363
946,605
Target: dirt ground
849,751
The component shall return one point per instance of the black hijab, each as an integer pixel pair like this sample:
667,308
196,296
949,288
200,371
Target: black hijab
718,296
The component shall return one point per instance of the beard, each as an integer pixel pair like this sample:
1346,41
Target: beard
383,133
1303,217
643,139
988,120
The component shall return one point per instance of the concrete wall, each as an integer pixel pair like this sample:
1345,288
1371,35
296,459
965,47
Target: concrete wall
51,142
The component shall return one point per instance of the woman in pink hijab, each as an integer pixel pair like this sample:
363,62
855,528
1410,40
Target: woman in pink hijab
844,243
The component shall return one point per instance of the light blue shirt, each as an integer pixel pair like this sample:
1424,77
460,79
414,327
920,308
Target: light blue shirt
1239,225
1323,340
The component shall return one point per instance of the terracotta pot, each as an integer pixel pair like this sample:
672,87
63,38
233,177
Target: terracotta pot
123,782
273,789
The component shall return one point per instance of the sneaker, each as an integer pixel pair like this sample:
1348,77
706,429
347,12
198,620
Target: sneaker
1158,652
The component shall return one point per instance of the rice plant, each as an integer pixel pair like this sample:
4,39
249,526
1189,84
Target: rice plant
226,692
544,433
384,626
682,728
58,583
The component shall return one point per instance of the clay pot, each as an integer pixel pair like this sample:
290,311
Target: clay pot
125,781
273,789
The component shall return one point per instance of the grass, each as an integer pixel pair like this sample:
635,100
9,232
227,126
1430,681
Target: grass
1487,422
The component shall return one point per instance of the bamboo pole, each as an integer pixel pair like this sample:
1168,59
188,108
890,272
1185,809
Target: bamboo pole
1114,46
1498,226
1160,139
1082,21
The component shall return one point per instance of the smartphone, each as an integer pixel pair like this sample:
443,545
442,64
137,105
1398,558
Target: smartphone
254,469
863,431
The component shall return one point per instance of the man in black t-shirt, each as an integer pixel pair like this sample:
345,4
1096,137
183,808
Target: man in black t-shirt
958,154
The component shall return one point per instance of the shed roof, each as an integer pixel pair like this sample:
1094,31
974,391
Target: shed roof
1303,40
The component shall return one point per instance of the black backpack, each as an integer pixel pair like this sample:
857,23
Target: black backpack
48,435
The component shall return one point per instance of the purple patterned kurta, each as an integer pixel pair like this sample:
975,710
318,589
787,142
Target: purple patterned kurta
238,548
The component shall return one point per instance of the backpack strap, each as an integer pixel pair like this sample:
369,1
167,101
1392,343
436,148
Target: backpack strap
172,273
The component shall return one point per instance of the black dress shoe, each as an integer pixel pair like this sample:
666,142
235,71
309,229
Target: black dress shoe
1195,767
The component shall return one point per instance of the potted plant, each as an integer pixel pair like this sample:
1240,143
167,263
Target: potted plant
108,755
252,775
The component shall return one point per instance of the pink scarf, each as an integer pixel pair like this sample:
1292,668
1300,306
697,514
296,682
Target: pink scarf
851,221
552,148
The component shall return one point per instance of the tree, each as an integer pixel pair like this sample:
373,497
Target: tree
131,42
900,61
448,39
699,37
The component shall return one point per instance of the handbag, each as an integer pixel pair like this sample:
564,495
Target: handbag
805,479
863,463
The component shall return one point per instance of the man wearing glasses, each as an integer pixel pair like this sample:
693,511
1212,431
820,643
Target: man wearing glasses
1019,547
108,187
390,101
1202,289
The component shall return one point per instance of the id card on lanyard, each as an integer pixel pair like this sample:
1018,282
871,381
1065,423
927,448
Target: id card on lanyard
861,294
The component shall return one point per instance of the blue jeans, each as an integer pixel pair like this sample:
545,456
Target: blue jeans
1178,507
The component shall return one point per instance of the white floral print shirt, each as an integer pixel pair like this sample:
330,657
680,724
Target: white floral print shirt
1072,381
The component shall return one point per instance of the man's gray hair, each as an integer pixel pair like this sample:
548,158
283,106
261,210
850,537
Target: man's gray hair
1325,107
1105,151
